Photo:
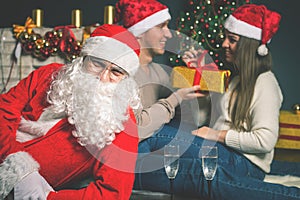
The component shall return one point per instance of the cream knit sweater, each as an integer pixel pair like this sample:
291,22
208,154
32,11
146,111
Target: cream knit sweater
258,143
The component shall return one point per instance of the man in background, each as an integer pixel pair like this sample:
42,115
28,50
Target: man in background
148,20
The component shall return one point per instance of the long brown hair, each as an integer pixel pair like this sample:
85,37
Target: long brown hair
249,66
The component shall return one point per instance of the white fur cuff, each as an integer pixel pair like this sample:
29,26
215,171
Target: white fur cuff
14,168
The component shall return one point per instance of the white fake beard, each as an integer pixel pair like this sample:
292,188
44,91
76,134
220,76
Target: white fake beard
99,109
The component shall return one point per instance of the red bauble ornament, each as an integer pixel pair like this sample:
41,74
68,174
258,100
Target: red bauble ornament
54,42
49,35
44,54
68,50
71,40
28,47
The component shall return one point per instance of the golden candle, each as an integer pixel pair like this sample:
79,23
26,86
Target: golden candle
37,16
109,12
77,18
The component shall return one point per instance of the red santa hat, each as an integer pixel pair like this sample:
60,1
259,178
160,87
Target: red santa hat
139,16
254,21
115,44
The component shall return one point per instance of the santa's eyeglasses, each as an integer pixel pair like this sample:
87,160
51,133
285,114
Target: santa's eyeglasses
98,67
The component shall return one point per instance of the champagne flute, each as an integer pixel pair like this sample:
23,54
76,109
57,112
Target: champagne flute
209,156
171,163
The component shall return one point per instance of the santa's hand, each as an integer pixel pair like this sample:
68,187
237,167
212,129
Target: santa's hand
32,187
189,93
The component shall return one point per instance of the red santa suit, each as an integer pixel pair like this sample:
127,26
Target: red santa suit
61,159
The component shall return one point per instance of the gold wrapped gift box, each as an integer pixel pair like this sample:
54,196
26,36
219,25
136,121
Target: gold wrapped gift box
211,80
289,130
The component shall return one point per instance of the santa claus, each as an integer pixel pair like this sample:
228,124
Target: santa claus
63,123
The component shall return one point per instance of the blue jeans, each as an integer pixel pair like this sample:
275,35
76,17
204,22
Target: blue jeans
236,176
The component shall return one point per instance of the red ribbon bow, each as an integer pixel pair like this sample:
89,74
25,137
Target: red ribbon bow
198,74
66,34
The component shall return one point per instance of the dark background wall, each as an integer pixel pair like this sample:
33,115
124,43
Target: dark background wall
285,44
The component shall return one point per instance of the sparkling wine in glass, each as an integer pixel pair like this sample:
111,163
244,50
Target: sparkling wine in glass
209,156
171,163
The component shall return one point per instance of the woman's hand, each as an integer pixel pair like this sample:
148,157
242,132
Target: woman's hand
190,58
210,134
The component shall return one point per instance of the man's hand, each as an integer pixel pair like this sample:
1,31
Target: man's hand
33,186
189,93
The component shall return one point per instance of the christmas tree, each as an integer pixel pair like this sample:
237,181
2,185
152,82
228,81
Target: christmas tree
201,26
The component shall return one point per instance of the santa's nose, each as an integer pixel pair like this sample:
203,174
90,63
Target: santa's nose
104,76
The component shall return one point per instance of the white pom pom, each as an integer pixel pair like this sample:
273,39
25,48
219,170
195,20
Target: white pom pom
262,50
71,120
